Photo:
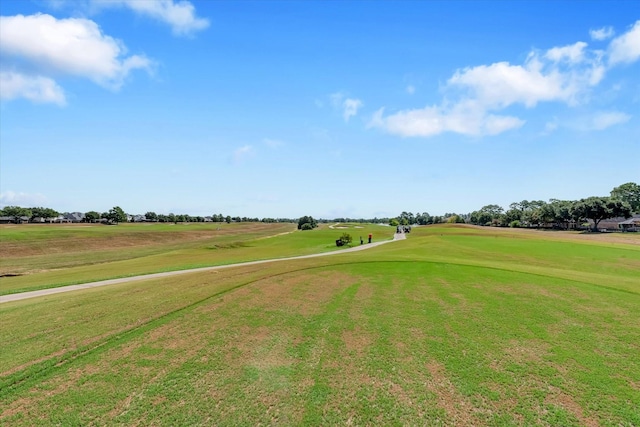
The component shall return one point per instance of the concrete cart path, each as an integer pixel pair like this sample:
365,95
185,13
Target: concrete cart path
51,291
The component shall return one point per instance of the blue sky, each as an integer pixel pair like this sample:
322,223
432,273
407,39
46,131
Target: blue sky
330,109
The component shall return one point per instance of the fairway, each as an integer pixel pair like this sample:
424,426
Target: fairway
455,326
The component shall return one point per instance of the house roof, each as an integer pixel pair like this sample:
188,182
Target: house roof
630,221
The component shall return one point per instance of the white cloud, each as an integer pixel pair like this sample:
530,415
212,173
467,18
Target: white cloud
604,120
626,47
181,15
12,198
602,33
34,88
73,46
351,107
572,53
411,89
434,120
475,96
348,106
561,74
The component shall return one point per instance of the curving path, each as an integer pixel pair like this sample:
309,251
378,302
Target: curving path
51,291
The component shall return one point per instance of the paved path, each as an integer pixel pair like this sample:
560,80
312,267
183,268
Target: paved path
42,292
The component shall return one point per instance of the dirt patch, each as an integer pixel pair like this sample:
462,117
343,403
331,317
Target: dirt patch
356,341
456,406
303,293
530,352
559,398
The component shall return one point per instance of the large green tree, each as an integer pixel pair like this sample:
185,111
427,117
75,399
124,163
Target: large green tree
91,216
151,216
116,215
307,220
599,208
487,215
557,212
630,193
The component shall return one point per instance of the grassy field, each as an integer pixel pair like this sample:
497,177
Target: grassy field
46,256
454,326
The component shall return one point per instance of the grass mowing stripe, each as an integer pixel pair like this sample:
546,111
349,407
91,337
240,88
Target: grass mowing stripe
39,371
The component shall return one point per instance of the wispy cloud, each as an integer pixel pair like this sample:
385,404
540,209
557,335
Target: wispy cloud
476,96
605,119
34,88
180,16
626,47
348,106
51,46
11,198
603,33
410,89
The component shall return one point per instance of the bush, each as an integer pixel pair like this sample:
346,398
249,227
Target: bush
306,226
346,238
515,224
307,220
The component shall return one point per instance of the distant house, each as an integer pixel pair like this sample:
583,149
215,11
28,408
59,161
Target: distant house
631,224
73,217
138,218
14,220
208,219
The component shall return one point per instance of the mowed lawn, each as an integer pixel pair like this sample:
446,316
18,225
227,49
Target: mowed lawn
45,256
453,326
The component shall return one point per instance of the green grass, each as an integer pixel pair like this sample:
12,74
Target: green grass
134,249
445,328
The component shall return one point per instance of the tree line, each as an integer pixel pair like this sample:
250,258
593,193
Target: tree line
117,215
623,201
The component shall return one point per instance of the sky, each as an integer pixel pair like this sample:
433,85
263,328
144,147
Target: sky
332,109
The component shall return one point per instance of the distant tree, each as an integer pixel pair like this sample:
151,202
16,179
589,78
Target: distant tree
394,222
151,216
45,213
557,212
346,238
307,220
16,212
423,218
407,218
116,215
599,208
91,216
630,193
487,215
455,219
228,219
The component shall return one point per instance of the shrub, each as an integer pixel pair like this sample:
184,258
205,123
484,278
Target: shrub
346,238
306,226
